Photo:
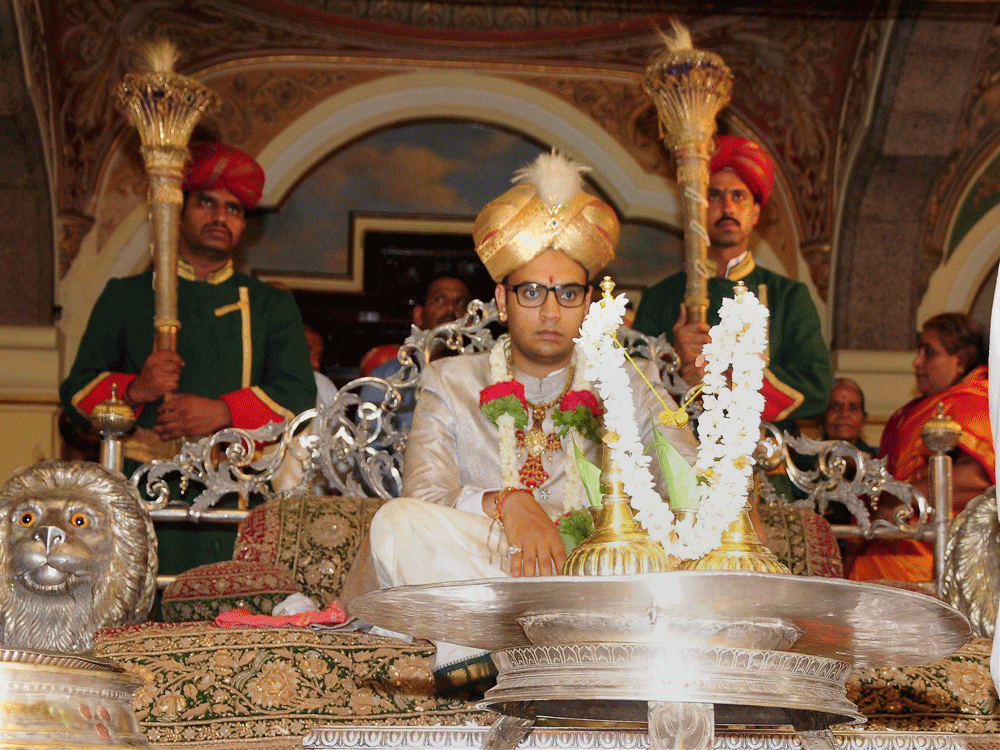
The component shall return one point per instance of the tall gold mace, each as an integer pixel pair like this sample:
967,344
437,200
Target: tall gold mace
689,87
164,107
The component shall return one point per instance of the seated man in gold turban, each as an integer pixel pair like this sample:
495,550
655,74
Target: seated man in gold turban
489,465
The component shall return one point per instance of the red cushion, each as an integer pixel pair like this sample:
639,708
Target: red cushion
203,592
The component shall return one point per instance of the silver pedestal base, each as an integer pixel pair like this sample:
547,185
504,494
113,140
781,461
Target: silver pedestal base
615,682
471,738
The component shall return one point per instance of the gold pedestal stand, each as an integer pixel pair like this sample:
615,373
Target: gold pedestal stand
740,549
619,545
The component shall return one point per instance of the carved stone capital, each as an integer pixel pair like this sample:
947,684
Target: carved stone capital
72,229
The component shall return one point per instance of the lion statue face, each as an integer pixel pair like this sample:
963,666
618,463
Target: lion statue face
77,553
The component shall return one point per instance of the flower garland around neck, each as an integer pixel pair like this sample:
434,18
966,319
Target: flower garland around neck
577,415
728,427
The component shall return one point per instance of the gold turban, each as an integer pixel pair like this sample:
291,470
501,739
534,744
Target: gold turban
547,211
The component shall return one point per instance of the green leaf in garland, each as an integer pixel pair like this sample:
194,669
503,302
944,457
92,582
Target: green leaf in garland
506,405
574,527
582,418
590,475
680,476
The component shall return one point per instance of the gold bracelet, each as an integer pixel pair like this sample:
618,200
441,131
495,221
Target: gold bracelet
501,497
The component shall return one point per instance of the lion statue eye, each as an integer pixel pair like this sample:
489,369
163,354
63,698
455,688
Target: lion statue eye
26,519
80,520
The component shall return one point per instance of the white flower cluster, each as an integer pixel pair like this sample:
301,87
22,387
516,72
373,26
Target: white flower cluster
606,369
728,428
730,425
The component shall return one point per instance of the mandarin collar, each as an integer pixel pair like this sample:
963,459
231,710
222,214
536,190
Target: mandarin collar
186,271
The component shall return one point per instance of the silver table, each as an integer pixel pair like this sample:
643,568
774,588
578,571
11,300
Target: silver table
682,652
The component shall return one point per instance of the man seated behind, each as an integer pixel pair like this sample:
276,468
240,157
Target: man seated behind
844,419
477,503
445,301
845,415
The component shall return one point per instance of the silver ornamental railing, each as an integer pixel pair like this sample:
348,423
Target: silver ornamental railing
354,445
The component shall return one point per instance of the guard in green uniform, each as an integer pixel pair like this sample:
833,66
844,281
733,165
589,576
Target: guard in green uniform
242,358
798,377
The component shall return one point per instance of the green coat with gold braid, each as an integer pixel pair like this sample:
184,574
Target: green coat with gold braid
241,341
799,376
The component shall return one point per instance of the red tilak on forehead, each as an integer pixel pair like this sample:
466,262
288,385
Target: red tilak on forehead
552,279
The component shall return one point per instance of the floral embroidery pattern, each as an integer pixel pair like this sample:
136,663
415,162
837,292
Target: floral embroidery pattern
954,694
202,683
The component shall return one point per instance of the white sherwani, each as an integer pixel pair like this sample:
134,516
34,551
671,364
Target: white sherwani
438,531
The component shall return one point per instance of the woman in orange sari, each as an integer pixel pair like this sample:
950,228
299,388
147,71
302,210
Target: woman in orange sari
950,367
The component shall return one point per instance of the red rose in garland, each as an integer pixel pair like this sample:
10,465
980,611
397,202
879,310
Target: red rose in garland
506,397
582,410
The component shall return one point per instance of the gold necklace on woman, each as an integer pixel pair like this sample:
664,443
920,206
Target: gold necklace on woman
535,441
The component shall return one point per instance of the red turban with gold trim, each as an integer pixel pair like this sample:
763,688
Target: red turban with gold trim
748,160
216,165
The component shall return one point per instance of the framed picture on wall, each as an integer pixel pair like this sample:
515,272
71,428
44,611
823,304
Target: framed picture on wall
403,254
351,282
389,252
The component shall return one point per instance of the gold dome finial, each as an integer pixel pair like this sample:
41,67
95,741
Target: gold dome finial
607,286
941,432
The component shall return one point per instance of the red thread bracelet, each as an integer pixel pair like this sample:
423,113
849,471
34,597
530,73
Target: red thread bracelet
501,497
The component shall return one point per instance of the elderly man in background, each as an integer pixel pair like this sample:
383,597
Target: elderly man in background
797,380
241,356
845,415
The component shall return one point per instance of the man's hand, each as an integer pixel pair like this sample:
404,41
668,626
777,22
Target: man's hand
529,527
689,339
159,375
187,415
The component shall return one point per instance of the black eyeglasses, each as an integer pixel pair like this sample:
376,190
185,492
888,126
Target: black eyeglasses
533,294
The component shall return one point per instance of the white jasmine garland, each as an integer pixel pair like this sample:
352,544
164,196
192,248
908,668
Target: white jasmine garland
728,428
508,437
606,368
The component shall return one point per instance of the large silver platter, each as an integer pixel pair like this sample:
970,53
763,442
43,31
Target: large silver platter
858,623
471,738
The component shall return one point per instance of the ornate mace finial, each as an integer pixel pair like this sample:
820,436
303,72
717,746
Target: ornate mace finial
941,432
164,107
112,420
689,87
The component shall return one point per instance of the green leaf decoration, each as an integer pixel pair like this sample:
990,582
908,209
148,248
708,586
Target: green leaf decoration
591,477
574,527
680,476
582,418
506,405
